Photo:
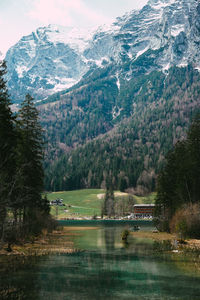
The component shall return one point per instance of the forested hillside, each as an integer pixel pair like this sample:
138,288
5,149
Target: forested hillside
142,121
115,100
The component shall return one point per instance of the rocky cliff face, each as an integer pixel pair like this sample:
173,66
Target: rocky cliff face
54,58
46,61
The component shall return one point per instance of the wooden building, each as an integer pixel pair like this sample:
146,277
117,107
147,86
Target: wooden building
144,211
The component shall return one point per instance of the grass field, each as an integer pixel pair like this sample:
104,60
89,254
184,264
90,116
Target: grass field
85,203
82,203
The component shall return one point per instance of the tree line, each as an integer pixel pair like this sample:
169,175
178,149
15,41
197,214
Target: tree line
178,186
23,210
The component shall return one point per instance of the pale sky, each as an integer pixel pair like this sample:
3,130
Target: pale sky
21,17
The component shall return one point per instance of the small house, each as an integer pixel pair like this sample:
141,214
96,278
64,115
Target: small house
144,211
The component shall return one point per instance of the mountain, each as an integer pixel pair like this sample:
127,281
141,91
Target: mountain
131,91
161,108
164,33
47,60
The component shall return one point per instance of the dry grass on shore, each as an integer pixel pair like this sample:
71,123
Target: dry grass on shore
58,242
163,236
157,236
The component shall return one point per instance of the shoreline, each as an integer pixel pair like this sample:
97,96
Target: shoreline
190,244
98,218
57,242
60,242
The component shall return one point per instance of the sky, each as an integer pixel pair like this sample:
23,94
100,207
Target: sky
21,17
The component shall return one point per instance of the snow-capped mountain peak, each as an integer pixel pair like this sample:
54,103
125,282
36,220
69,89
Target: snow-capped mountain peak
162,34
160,3
76,38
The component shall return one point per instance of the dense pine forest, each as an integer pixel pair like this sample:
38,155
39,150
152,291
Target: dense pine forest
92,132
23,210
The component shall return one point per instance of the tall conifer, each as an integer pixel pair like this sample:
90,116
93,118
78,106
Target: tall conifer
30,160
7,150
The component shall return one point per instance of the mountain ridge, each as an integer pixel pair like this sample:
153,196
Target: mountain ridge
142,71
48,60
133,147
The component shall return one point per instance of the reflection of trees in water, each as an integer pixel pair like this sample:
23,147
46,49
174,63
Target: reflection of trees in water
109,234
87,275
104,275
14,284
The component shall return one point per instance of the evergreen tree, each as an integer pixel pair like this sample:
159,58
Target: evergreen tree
30,160
193,142
7,150
21,169
122,184
109,201
179,182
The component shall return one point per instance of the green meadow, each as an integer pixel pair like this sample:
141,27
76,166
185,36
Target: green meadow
78,203
86,203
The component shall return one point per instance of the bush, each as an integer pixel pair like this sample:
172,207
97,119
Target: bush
125,234
165,245
186,222
11,234
37,223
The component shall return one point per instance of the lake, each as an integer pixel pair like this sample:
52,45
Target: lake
106,268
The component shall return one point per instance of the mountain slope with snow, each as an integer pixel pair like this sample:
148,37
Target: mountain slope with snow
125,93
46,61
162,34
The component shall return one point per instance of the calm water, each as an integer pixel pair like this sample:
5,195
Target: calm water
107,269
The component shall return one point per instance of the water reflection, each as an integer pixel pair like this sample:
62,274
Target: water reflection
17,278
107,269
110,235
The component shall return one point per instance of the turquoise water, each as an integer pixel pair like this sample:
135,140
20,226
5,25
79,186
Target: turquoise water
105,269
